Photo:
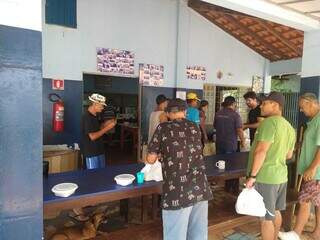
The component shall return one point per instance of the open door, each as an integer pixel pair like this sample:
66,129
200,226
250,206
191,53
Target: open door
122,144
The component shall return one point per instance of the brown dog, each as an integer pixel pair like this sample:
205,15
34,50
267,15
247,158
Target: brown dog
88,231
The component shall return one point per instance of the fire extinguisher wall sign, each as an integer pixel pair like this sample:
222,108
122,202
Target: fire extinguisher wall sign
57,84
57,112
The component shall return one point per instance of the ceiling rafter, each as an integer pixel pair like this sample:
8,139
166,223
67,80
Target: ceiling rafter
279,37
271,40
251,33
209,17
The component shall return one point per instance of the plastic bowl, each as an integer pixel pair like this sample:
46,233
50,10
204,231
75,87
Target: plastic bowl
124,179
64,189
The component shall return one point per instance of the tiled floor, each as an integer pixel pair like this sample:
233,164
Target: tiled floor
240,236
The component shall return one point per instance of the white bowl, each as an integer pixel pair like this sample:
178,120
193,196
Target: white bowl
64,189
64,194
124,179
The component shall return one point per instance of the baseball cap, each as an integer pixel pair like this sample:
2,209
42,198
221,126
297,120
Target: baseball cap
192,96
161,98
309,97
276,97
97,98
176,105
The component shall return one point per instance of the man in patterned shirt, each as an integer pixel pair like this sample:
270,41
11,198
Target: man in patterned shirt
186,190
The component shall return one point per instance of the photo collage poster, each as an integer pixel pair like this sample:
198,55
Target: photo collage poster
151,75
115,61
257,84
196,73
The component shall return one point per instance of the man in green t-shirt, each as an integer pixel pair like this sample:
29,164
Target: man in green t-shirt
267,170
308,167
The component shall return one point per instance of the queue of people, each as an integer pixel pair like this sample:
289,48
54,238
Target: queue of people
176,137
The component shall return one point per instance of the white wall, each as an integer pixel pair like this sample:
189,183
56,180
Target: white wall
146,27
149,29
311,54
286,67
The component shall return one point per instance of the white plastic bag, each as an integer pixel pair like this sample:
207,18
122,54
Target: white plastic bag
250,202
152,172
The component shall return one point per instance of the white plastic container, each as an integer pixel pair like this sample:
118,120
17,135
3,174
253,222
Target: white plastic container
124,179
64,189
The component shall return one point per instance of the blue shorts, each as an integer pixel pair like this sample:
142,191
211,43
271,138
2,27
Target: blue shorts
96,162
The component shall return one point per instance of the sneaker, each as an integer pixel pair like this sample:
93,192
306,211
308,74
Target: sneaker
292,235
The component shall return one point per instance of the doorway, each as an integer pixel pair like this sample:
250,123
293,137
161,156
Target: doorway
122,98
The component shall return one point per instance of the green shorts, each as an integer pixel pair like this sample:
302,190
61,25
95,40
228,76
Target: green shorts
274,197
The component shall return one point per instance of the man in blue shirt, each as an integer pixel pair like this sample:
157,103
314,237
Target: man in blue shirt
192,110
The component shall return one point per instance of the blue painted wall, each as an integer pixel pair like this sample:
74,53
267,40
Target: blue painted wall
20,134
72,97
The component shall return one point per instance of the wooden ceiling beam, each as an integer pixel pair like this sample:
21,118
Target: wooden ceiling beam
201,6
267,56
239,30
255,36
273,32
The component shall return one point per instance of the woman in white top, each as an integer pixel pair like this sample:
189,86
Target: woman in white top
159,115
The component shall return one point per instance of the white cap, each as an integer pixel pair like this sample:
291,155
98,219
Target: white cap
97,98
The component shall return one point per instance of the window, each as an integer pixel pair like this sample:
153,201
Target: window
209,95
61,12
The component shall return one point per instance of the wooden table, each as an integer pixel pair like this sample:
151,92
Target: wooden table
126,129
98,185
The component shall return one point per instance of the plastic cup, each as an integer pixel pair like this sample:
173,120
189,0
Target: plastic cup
140,177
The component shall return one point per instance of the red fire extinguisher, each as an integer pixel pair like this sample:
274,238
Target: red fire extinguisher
57,112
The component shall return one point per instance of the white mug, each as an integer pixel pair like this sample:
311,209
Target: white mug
221,164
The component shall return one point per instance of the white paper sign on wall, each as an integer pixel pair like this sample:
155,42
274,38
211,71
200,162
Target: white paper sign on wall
181,94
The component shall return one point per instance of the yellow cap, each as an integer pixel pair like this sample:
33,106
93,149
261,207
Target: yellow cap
192,96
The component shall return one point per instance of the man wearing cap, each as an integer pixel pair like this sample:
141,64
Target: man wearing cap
185,191
193,113
267,170
93,148
308,168
159,115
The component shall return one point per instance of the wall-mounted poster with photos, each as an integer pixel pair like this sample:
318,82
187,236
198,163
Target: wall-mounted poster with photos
151,75
196,72
257,84
115,61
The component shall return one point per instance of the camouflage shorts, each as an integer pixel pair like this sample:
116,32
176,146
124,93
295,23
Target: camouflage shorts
310,192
